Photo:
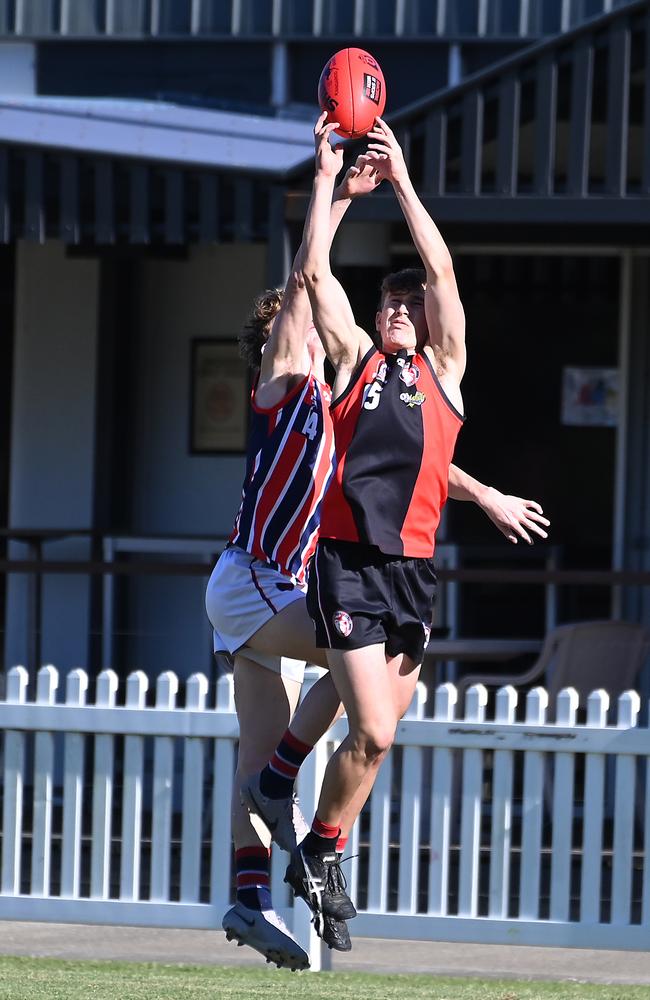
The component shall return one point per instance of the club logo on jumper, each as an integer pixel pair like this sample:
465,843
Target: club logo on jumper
381,373
372,88
416,399
410,374
342,623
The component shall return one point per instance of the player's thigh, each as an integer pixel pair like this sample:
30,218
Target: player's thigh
265,703
403,674
362,680
290,632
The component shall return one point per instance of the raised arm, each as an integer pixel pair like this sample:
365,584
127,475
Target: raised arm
444,310
514,517
344,342
284,349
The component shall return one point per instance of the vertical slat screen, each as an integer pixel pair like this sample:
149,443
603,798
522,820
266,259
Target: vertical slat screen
104,202
174,207
471,142
70,225
508,135
435,152
580,120
618,109
208,208
34,207
138,203
545,112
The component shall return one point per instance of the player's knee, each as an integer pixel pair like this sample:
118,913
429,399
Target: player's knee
375,742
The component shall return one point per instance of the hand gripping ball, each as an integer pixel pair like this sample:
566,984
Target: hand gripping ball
352,91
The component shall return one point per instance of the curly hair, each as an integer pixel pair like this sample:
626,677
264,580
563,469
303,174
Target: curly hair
257,327
409,279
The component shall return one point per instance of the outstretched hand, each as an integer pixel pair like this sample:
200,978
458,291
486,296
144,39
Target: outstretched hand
359,179
514,517
329,159
385,153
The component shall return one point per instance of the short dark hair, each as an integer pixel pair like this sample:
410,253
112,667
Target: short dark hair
409,279
257,327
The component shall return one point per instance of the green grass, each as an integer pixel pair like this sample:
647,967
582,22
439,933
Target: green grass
49,979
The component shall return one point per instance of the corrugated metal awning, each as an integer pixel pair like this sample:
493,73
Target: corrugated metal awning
157,131
103,171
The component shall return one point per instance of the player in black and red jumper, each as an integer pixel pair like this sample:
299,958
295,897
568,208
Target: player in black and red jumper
397,412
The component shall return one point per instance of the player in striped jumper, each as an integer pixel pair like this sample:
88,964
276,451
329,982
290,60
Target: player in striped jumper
256,594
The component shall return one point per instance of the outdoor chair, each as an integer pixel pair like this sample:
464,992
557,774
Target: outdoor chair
585,656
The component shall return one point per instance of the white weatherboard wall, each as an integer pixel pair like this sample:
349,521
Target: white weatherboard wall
206,295
53,419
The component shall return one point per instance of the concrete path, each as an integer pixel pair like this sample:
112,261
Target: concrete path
76,941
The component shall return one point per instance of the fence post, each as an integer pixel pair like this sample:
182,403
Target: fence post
12,805
73,768
310,779
441,803
46,687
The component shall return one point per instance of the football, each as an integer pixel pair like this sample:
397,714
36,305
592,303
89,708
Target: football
352,91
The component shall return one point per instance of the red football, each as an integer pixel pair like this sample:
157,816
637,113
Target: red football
352,91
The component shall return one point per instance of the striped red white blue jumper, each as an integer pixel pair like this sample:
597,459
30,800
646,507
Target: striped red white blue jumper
288,468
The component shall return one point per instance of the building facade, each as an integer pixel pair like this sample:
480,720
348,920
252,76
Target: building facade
155,163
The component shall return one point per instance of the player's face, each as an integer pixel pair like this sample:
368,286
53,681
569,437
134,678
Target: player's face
402,322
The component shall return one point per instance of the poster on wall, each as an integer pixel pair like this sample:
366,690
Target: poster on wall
219,393
590,397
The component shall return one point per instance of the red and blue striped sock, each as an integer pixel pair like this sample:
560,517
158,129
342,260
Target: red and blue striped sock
278,777
253,866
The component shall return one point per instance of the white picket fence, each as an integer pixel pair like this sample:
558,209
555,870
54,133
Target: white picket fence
500,831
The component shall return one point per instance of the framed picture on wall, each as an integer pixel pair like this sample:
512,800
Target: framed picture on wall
219,390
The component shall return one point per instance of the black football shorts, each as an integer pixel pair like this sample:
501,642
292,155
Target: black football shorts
359,596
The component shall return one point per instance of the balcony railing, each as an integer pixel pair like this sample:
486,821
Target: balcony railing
316,19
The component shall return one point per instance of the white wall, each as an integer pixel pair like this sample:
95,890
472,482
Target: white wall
52,437
207,295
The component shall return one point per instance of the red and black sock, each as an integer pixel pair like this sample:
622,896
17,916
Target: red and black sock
278,777
321,839
254,877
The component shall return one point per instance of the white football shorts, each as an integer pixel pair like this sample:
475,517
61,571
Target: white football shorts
243,593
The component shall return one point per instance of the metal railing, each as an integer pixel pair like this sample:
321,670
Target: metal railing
306,19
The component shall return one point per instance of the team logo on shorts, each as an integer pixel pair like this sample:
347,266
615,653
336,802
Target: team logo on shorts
342,623
427,632
410,374
416,399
